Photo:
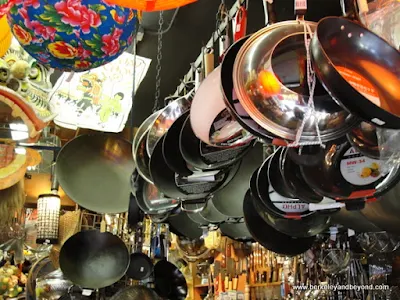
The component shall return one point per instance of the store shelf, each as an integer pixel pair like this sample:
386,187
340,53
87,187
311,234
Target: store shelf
265,284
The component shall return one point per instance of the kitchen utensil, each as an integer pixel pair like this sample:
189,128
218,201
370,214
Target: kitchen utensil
86,161
92,252
169,281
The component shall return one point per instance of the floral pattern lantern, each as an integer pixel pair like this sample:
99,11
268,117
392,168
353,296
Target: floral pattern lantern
5,6
72,35
152,5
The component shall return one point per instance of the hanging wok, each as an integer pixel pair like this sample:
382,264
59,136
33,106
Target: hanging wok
144,127
183,226
354,219
94,170
359,69
93,259
169,281
136,292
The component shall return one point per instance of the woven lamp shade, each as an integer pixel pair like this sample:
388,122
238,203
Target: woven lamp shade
5,36
151,5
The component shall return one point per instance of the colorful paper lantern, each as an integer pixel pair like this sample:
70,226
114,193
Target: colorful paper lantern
5,6
72,35
151,5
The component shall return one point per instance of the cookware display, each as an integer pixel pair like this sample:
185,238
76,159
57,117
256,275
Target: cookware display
229,200
181,225
89,253
272,87
165,119
363,80
144,127
88,160
142,159
347,174
236,231
202,156
289,216
269,237
140,265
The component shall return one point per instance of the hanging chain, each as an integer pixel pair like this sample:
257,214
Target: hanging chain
159,58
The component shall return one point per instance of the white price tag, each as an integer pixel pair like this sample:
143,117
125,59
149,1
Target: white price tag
351,232
86,293
300,5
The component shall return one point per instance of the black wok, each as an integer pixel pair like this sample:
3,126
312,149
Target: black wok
359,69
94,170
169,281
93,259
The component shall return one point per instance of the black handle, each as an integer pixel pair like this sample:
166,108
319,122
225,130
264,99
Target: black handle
271,13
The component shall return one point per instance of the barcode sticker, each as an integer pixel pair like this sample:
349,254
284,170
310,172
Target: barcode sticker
300,5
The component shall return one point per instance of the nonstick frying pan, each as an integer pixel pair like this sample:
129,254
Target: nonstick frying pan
274,175
171,152
183,226
359,69
205,157
88,160
309,225
169,281
347,174
166,180
93,259
236,231
229,200
140,266
149,199
294,181
269,237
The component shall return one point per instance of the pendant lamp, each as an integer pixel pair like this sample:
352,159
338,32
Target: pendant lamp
151,5
72,35
5,6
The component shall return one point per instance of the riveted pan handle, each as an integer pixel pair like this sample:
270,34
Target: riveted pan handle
194,201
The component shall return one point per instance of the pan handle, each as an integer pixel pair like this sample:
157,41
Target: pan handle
195,201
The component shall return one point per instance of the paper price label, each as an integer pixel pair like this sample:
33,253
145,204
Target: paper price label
300,5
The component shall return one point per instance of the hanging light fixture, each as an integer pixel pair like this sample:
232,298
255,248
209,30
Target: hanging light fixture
151,5
48,206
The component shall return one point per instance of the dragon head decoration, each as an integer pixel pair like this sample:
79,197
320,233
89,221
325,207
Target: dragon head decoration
25,87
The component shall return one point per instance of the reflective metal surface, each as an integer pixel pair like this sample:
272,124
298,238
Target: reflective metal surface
354,220
165,119
385,212
144,127
268,77
94,170
142,159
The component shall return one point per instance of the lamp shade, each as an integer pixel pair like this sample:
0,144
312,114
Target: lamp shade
72,35
5,6
5,35
151,5
48,206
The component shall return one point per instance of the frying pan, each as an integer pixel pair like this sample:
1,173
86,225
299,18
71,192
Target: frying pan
149,199
294,181
205,157
135,214
210,120
347,174
88,160
359,69
236,231
142,159
144,127
165,119
209,214
275,178
269,237
166,181
171,152
183,226
140,265
169,281
311,224
229,200
93,259
231,101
